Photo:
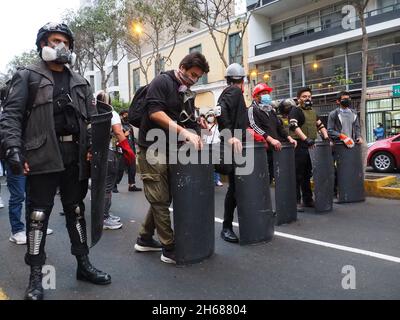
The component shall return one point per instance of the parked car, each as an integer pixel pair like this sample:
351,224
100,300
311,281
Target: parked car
384,155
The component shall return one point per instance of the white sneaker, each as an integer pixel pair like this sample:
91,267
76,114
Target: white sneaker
18,238
49,231
219,184
110,224
1,203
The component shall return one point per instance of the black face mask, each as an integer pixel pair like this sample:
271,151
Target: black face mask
307,104
345,103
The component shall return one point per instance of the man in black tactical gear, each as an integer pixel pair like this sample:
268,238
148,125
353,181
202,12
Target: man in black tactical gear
304,126
45,133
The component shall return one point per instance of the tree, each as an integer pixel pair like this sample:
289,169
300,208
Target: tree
22,60
151,26
219,18
361,6
98,32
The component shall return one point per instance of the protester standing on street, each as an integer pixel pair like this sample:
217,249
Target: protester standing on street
122,165
233,116
344,123
264,121
118,148
170,108
45,133
344,126
304,126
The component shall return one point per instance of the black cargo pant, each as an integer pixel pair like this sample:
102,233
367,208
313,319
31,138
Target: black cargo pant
230,203
303,174
40,192
131,171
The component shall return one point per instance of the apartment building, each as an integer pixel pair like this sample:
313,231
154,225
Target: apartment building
312,43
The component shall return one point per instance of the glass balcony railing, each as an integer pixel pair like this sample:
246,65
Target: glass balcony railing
325,29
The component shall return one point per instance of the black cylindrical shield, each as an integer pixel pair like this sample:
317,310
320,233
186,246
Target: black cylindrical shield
285,184
323,175
350,173
256,219
192,188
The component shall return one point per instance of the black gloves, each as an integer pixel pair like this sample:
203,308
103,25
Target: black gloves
15,161
310,142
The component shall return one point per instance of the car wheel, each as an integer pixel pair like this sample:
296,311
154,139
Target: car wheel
383,162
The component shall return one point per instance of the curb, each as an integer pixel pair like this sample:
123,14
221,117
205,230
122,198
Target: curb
377,186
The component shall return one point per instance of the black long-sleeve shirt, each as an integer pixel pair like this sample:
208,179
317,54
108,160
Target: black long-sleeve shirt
266,123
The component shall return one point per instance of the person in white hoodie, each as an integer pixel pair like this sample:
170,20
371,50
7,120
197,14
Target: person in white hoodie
211,138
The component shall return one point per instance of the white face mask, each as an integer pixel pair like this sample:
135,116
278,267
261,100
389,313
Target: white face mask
211,119
59,54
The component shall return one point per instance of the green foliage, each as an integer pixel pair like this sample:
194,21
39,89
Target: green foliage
119,105
339,78
22,60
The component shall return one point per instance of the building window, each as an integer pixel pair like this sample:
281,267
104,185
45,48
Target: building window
204,78
387,5
135,80
235,49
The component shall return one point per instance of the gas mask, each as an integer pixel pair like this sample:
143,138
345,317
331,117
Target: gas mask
59,54
307,104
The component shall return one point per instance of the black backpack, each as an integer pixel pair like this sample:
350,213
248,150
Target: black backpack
138,106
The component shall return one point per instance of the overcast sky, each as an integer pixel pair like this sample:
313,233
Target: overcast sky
20,21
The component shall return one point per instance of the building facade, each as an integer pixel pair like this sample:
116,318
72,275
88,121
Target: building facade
210,86
318,44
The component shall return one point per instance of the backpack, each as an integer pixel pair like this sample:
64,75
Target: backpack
138,106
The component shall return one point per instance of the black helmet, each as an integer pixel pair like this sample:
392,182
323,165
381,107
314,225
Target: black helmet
54,27
285,105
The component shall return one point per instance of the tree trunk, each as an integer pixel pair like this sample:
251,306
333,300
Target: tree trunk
103,79
364,79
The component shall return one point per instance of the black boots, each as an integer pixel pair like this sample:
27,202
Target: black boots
87,272
35,289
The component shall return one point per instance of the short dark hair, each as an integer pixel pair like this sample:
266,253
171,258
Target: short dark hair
342,93
123,111
303,89
230,80
195,59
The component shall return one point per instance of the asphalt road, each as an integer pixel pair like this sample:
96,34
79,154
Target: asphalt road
284,268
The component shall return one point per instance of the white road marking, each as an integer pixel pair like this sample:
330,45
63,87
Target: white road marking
330,245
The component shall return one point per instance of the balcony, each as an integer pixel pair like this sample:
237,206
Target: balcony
325,30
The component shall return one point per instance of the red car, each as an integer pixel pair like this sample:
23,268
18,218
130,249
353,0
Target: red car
384,155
